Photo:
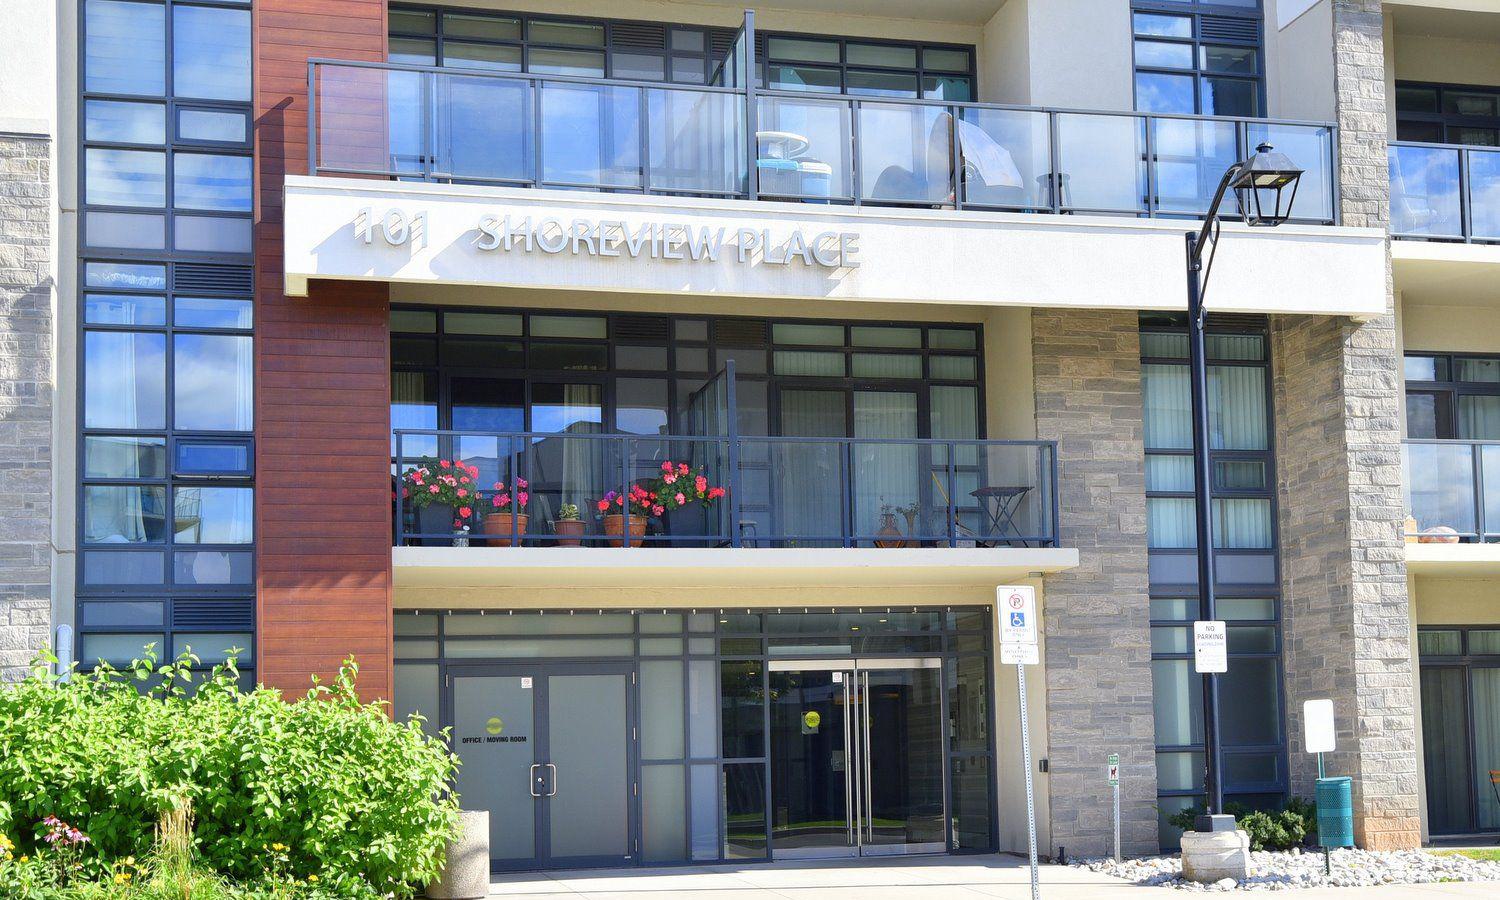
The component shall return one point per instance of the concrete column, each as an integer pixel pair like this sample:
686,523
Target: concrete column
25,400
1338,410
1097,617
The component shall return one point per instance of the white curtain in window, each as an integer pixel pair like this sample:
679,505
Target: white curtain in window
1168,407
807,474
1486,701
1479,418
1237,407
884,474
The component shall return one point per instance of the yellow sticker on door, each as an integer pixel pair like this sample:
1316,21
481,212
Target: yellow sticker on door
812,719
494,725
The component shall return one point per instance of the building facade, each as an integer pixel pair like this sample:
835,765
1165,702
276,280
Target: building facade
656,396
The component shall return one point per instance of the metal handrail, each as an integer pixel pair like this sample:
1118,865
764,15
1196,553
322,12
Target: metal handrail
745,164
512,446
1463,194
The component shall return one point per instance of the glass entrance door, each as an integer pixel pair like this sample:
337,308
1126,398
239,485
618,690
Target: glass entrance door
547,749
857,757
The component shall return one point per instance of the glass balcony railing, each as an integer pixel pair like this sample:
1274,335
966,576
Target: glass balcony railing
524,129
777,491
1444,192
1452,491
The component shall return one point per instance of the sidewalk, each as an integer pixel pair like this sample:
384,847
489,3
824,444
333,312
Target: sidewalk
910,878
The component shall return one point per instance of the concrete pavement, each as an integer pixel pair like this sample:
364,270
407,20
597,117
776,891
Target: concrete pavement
909,878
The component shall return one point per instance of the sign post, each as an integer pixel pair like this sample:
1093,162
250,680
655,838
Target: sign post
1320,736
1015,608
1114,784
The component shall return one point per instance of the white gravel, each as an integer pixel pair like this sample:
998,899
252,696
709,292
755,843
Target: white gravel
1286,870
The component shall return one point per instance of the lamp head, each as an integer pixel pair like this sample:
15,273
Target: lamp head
1266,186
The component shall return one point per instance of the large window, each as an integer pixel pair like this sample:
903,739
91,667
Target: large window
652,51
1198,57
1448,113
491,370
1452,396
1244,538
1460,686
165,345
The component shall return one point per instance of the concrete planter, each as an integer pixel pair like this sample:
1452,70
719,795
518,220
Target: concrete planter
1213,856
466,871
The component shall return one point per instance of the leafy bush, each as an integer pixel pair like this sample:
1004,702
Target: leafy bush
1268,830
354,800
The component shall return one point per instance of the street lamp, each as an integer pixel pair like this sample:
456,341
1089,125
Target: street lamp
1266,185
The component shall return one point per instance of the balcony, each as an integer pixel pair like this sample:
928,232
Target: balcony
1445,192
414,123
1453,506
780,493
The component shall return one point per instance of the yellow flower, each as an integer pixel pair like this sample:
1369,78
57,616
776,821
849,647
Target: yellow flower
25,858
312,878
122,877
130,860
278,847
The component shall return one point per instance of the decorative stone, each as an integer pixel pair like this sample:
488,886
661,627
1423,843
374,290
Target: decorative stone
466,870
1209,857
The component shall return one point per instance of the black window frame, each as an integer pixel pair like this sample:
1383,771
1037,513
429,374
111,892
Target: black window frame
1446,122
1448,391
1197,11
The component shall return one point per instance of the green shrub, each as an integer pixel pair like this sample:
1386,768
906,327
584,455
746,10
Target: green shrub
355,800
1268,829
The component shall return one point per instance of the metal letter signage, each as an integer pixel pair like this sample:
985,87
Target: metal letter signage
1210,647
665,240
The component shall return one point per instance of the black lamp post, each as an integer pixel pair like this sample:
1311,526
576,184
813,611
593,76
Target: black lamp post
1266,185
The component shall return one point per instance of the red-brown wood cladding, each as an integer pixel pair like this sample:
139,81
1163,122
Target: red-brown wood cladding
322,379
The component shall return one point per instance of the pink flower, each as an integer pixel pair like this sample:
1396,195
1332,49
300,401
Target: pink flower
462,493
464,512
432,489
445,464
522,497
682,469
680,499
405,492
658,510
700,483
603,505
666,466
715,493
522,483
669,479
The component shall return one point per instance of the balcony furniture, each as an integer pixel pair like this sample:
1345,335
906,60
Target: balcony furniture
1002,502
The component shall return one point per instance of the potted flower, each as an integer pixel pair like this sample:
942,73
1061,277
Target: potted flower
568,526
888,536
679,485
442,492
503,516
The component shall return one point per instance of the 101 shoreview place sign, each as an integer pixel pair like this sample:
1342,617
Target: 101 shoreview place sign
615,238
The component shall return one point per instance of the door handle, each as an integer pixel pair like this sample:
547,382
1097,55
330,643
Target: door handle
864,690
532,780
553,792
849,801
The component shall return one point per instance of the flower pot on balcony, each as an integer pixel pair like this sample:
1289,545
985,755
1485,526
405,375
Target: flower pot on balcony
614,525
568,532
502,525
888,536
438,519
1439,534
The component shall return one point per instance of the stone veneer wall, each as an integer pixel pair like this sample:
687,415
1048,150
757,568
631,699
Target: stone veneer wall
25,400
1098,639
1338,399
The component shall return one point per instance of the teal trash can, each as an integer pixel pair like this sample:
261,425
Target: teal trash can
1335,812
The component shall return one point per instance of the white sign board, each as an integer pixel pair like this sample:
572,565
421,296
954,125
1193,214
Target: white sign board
1020,655
1210,647
1016,608
1317,726
1113,770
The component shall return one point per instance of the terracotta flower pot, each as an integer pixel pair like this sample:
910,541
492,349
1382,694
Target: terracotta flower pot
888,536
500,523
568,531
615,525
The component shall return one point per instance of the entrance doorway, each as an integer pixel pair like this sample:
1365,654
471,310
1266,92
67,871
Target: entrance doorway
857,751
547,748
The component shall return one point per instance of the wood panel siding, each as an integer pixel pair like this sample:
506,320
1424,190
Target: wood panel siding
322,379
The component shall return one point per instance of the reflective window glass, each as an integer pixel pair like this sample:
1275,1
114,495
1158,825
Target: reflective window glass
493,28
1157,92
205,181
125,47
803,49
116,649
888,56
124,309
1230,97
944,60
120,456
119,122
213,515
125,177
211,125
141,276
203,457
212,234
460,55
212,312
124,380
132,231
579,34
1164,26
211,52
124,514
212,382
1163,55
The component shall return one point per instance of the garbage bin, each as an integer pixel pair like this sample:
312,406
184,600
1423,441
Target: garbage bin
1335,812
